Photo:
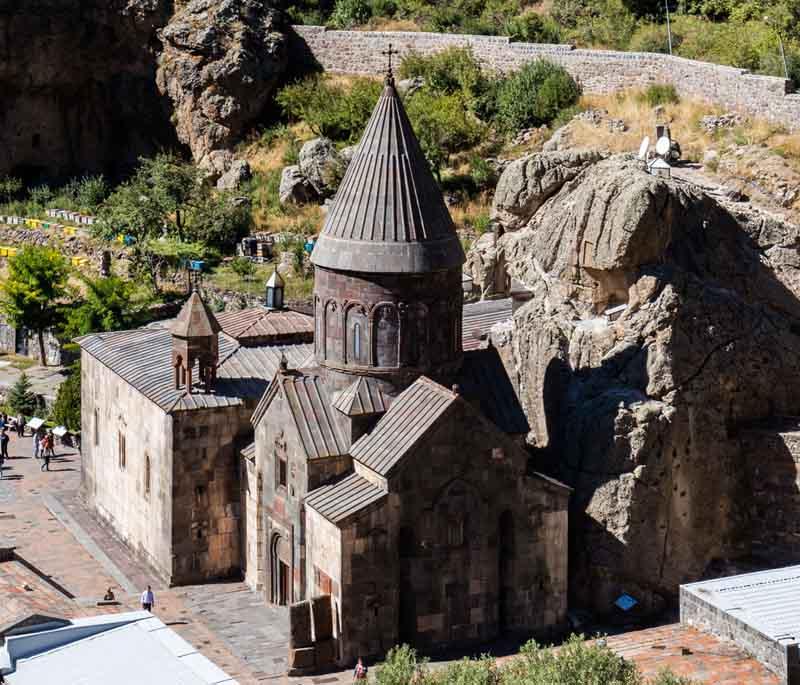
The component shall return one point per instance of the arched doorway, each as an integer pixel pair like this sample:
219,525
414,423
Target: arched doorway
280,571
505,569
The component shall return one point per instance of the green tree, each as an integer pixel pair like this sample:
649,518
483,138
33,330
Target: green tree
37,280
535,95
21,399
9,188
243,267
67,407
109,304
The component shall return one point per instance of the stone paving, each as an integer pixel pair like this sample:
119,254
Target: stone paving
67,559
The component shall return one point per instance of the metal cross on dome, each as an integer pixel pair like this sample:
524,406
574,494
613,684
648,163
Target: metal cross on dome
389,53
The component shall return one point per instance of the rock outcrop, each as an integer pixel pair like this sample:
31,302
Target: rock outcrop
220,63
78,84
295,188
661,321
323,165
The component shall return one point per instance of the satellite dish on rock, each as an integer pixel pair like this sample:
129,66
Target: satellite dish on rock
644,147
663,146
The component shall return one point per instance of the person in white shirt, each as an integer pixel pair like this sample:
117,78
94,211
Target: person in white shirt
148,599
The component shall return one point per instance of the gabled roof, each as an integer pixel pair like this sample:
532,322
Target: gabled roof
341,499
195,319
412,413
479,317
259,325
249,452
388,215
362,398
310,406
143,358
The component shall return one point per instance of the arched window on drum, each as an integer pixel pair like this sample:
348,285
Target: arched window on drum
357,347
386,327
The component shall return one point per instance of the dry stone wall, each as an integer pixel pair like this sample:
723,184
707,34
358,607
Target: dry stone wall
598,71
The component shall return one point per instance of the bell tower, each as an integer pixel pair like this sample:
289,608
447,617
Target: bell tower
387,277
195,341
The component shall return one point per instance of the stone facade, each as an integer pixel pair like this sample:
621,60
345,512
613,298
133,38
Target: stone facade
26,344
598,71
121,431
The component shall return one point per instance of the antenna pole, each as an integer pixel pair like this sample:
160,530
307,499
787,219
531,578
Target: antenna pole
669,28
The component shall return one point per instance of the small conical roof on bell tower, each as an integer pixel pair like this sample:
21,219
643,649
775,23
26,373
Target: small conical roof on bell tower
388,215
195,319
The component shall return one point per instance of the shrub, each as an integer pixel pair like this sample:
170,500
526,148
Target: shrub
483,174
349,13
243,267
66,409
443,124
451,71
660,94
530,27
330,111
401,667
653,38
534,96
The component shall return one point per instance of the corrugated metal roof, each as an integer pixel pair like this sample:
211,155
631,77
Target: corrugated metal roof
485,383
317,423
249,452
388,215
412,413
143,357
362,398
768,601
259,324
479,317
340,500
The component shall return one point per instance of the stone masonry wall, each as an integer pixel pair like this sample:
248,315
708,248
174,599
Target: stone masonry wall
781,659
598,71
112,412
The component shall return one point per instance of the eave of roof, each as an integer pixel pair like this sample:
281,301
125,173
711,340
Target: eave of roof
343,499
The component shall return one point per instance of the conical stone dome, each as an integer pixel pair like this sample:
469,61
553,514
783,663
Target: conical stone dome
388,215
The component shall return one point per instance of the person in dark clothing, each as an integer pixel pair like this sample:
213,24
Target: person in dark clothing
4,443
47,451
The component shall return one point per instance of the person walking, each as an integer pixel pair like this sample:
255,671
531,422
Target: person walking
37,443
47,451
2,461
148,599
49,444
4,443
360,672
21,426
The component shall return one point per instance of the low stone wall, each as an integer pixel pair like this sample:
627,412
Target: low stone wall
782,659
598,71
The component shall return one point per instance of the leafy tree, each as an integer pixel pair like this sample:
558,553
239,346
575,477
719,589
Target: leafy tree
67,407
109,304
349,13
535,95
243,267
40,195
91,191
10,187
21,399
443,126
37,280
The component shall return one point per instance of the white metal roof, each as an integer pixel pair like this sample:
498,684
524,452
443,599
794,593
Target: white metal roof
100,651
768,601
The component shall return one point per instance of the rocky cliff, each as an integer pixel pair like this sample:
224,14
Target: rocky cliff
90,85
661,321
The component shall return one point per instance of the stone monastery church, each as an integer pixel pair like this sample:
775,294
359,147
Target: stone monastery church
362,455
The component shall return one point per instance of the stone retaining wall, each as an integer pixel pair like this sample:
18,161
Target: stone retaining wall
598,71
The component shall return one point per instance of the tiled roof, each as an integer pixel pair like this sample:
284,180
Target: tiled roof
485,383
341,499
388,215
143,358
412,413
249,452
195,319
362,398
479,317
261,325
312,411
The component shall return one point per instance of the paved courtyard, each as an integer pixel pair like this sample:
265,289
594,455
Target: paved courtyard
66,559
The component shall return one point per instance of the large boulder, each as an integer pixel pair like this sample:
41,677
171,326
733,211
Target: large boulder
238,173
322,165
661,323
527,183
295,188
220,64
